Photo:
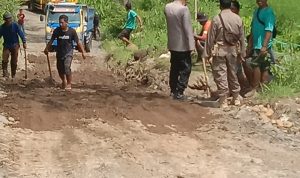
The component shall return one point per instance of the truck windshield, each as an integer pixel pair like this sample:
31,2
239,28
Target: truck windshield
53,17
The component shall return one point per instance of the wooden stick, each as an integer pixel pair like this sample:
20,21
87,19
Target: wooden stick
48,60
205,75
25,57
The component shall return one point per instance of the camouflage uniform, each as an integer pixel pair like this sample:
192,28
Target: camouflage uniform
225,55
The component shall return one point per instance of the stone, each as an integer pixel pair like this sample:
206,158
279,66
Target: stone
274,121
255,108
264,118
3,120
11,119
279,123
246,114
288,124
165,56
269,112
284,118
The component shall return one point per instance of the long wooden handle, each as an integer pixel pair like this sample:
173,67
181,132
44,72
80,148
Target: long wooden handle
205,75
49,67
25,56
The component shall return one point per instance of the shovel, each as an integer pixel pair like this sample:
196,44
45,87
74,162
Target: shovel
205,76
49,67
50,79
25,57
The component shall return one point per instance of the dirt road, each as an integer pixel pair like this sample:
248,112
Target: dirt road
105,128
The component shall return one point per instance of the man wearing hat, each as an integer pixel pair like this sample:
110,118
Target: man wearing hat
200,39
11,33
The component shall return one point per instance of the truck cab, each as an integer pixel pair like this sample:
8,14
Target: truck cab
80,18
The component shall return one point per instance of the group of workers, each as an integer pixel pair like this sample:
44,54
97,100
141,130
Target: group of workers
237,69
235,66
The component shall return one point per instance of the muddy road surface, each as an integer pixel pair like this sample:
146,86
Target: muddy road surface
109,129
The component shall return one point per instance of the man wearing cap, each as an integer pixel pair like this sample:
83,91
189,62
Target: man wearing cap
180,43
200,39
224,43
10,32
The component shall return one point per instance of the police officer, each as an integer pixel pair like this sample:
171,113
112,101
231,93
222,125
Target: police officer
224,43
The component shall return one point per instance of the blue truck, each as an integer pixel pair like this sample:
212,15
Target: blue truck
81,18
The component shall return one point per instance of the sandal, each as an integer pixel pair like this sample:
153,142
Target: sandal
68,88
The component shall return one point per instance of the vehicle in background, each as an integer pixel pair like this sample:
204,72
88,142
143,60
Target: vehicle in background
40,5
80,18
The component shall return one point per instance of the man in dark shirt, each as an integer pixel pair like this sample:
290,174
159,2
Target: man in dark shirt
64,54
11,33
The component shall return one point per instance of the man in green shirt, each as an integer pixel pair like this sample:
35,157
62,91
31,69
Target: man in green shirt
130,24
260,42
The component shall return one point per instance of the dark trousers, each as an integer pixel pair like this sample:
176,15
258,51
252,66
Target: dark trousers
13,52
181,67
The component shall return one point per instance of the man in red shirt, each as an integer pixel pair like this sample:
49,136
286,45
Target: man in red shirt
200,39
21,19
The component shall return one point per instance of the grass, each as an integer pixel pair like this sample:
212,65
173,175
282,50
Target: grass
273,92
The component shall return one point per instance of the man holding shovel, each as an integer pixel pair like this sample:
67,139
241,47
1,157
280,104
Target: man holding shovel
64,54
11,33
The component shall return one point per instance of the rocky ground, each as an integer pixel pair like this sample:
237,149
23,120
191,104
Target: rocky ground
107,127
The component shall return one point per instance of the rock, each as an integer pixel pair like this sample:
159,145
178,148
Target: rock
297,100
11,119
279,123
284,118
263,109
264,118
245,114
273,121
2,94
269,112
165,56
288,124
255,108
3,120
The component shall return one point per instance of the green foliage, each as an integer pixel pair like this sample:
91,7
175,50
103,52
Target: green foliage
286,78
